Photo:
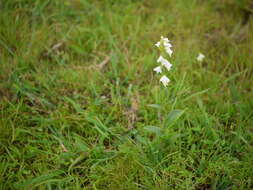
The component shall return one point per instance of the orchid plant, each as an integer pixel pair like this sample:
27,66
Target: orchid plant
165,132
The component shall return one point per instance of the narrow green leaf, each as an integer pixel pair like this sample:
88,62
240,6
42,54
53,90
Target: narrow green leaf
157,106
173,116
196,94
76,106
153,129
77,160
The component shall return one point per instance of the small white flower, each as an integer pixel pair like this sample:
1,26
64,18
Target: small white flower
158,44
200,57
168,50
158,69
167,44
165,80
164,62
168,66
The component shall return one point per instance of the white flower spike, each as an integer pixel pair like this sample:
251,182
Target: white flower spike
158,69
164,46
164,62
200,57
164,80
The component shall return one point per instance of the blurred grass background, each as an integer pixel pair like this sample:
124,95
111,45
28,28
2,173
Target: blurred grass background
81,108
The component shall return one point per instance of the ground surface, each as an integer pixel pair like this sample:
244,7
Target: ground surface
81,108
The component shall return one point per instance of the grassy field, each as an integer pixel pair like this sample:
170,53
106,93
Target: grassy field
81,108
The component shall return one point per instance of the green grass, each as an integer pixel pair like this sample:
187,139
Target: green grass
68,122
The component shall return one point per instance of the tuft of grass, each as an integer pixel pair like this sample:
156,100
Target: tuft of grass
80,107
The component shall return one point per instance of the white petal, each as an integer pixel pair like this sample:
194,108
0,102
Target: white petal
158,69
167,44
160,59
164,62
200,57
165,39
164,80
158,44
168,65
169,51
